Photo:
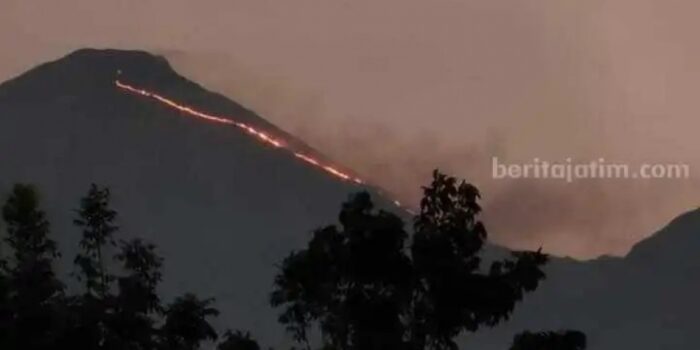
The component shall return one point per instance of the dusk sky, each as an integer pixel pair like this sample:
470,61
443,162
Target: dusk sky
395,88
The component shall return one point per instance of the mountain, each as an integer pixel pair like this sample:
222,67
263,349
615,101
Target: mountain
649,299
224,205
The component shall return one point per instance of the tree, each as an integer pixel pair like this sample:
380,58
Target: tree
238,341
453,294
138,300
186,325
354,282
96,219
562,340
95,307
137,290
33,285
35,314
5,306
367,288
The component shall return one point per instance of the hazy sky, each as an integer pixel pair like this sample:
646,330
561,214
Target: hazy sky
394,88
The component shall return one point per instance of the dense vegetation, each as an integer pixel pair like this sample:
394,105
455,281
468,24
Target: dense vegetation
366,284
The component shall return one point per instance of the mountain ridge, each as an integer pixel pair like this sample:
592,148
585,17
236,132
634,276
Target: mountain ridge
224,210
153,72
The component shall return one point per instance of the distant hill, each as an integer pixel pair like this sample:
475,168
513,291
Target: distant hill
649,299
225,208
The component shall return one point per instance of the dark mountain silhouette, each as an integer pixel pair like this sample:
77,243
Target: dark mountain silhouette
224,209
645,300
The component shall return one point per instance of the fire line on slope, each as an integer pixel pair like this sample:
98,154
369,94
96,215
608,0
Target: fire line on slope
257,134
261,136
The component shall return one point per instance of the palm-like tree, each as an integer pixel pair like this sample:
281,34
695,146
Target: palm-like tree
186,323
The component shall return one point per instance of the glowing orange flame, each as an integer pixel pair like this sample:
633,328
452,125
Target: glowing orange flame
259,135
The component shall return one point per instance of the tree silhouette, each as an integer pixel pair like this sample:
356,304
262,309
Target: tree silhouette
137,302
366,288
35,314
96,219
238,341
5,309
354,282
137,290
367,283
186,325
562,340
33,285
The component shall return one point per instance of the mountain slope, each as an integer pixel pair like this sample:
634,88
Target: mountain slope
646,300
222,207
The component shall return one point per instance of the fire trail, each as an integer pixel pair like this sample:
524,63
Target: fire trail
259,135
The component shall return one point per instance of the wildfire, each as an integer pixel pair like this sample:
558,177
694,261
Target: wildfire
261,136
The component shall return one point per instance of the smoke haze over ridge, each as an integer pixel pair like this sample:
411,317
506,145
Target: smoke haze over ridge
394,88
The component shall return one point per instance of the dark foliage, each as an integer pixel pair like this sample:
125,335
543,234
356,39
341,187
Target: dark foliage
238,341
32,287
36,314
186,325
367,283
367,287
562,340
96,219
95,309
137,302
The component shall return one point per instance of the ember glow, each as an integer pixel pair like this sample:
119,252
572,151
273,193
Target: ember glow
259,135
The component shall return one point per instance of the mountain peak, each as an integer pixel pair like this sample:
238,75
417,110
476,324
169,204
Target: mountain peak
677,241
100,78
95,70
112,60
111,54
210,194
